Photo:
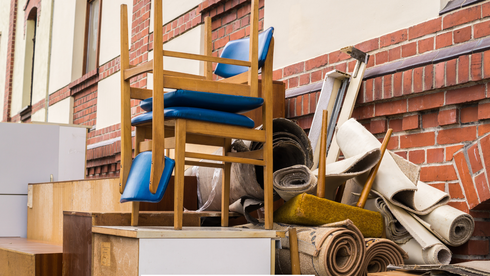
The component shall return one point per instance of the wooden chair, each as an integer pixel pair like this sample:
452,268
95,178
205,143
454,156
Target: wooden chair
168,129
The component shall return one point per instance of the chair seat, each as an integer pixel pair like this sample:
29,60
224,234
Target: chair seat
138,183
214,101
198,114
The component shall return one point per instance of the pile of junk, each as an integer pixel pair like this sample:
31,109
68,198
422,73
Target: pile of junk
381,218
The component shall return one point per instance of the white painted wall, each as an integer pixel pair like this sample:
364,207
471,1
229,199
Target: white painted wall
109,34
172,9
109,101
61,112
307,29
39,116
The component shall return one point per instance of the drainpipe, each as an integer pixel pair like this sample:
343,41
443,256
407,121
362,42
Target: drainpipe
46,105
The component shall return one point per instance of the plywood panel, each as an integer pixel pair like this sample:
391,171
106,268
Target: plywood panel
49,200
114,256
24,257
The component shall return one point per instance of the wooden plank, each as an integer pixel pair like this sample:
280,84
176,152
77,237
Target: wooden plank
347,108
241,78
255,154
204,164
115,256
323,153
206,86
77,243
278,104
224,158
234,132
19,256
150,232
206,58
268,127
126,143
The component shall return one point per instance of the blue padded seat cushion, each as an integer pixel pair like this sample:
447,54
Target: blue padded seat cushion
138,183
198,114
221,102
239,49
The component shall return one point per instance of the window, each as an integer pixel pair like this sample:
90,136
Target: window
92,34
29,58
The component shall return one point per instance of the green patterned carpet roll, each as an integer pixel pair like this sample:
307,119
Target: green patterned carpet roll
305,209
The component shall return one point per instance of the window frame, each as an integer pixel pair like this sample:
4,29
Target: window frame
85,41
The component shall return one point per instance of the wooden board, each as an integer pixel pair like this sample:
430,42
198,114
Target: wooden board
22,257
278,110
114,256
49,200
395,273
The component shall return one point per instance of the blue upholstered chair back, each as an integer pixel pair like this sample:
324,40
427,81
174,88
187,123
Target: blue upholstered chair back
239,49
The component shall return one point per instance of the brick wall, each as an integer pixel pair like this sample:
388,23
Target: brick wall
430,83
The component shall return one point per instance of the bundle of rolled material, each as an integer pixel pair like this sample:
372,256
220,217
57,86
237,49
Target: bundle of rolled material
436,254
334,249
294,180
290,147
379,254
450,225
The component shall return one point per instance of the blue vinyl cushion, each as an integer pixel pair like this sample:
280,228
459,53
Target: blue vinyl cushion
199,114
239,49
221,102
138,183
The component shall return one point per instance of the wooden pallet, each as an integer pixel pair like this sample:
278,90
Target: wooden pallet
22,257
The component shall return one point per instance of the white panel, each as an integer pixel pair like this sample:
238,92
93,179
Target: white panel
29,155
13,216
109,38
173,9
61,112
72,148
109,101
205,256
190,42
62,44
307,30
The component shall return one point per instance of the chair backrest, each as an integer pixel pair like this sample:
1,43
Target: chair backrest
239,49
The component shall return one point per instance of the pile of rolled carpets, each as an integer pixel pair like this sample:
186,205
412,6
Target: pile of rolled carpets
379,254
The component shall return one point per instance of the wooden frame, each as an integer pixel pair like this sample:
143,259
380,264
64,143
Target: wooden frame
196,132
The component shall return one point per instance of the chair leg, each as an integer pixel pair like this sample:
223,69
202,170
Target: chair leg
135,212
225,187
268,188
293,250
180,137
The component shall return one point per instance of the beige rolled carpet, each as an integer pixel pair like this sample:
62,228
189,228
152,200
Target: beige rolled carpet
390,181
331,249
379,254
450,225
292,181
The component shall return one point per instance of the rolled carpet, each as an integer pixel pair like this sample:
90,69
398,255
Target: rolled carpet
379,254
335,249
450,225
292,181
305,209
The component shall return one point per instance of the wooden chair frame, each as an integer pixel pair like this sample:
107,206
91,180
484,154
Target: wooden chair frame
175,133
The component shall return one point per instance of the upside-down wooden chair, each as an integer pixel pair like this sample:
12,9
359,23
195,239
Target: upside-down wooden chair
207,117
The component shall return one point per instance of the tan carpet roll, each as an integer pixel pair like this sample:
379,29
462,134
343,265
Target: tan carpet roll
379,254
333,249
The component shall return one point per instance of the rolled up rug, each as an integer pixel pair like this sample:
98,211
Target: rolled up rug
294,180
436,254
379,254
335,249
450,225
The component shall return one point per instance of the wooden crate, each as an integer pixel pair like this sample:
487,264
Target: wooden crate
22,257
47,201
